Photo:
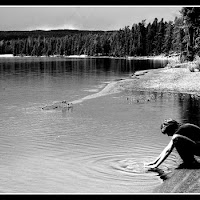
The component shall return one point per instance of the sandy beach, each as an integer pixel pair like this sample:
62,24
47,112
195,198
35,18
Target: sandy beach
163,79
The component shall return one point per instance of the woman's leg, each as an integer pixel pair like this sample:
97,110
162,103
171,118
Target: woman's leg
197,149
185,148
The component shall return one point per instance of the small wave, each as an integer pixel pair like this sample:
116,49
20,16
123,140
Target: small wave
91,90
11,107
101,85
97,87
129,165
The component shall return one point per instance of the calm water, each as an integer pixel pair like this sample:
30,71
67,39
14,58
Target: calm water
100,145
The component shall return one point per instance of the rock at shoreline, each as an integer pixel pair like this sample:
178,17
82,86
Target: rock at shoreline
58,105
139,73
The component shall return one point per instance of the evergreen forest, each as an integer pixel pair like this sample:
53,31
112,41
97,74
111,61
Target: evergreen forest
180,36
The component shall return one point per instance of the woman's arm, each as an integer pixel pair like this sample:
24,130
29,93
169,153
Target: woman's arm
165,153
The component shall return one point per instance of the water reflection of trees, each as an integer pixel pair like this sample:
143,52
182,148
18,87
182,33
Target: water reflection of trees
53,66
189,108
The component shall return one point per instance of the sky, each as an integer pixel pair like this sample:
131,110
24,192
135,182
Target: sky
26,18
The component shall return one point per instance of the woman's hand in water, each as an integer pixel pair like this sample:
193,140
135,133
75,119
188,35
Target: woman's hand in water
150,165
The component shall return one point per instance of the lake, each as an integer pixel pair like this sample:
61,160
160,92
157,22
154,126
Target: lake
98,146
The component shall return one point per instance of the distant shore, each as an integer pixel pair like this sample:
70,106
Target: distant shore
159,57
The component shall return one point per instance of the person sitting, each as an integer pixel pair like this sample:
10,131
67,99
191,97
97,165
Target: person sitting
186,140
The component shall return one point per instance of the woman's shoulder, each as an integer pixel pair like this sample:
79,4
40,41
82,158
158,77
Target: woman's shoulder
189,130
189,126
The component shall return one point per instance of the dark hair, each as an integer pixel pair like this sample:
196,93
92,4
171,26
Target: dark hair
169,126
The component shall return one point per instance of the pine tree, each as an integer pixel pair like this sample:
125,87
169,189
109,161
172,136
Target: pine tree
167,46
149,37
154,36
191,17
177,36
160,37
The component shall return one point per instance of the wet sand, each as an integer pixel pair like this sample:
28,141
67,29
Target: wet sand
181,181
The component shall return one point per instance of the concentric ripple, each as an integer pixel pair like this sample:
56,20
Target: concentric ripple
120,172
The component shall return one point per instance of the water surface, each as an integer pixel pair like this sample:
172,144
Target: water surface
100,145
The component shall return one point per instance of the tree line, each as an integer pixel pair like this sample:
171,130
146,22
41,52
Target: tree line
159,37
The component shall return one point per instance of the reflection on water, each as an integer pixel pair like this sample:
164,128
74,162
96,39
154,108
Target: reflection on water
80,67
100,145
189,108
188,104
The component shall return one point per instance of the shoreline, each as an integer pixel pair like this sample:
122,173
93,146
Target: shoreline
176,80
173,79
158,57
